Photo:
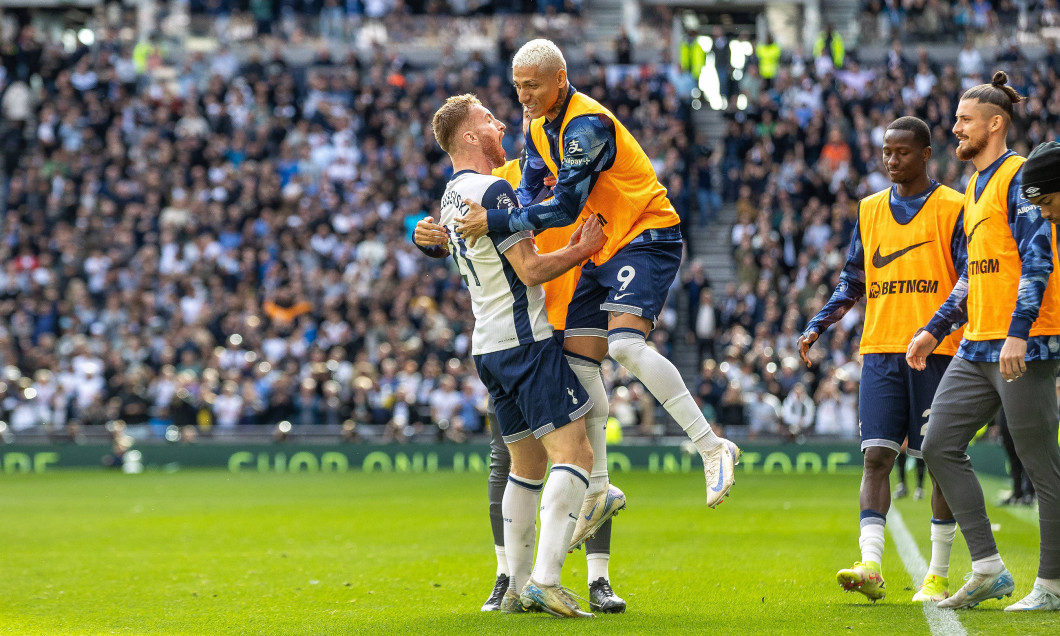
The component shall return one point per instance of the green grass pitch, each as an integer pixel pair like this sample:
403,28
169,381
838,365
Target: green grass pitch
208,552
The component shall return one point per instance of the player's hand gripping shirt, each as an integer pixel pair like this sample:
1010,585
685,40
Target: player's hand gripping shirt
507,312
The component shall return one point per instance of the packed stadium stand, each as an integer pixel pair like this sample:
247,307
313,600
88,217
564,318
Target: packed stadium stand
207,207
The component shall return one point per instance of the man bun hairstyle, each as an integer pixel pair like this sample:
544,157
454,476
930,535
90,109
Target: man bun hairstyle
448,119
997,93
920,130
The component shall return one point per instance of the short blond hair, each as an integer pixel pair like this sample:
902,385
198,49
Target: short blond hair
541,53
448,119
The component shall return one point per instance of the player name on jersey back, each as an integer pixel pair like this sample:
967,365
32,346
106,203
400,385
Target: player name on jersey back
507,312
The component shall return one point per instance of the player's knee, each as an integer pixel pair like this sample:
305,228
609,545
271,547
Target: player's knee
579,454
626,350
931,451
529,459
879,461
500,460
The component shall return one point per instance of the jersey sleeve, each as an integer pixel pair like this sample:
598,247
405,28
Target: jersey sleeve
850,289
532,182
589,148
1034,239
954,311
500,196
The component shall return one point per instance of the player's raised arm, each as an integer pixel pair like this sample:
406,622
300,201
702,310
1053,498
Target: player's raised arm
847,293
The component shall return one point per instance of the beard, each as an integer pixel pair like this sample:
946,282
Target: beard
969,148
494,152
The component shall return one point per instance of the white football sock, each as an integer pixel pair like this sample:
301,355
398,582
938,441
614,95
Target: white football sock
595,420
519,510
561,501
664,381
871,541
1053,585
989,565
502,561
597,565
942,535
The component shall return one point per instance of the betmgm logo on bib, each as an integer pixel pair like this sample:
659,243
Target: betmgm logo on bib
891,287
984,266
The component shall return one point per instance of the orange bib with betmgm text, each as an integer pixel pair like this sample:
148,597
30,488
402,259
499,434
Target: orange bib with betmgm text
559,290
909,270
994,263
627,197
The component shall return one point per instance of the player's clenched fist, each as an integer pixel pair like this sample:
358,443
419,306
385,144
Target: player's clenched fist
428,233
590,234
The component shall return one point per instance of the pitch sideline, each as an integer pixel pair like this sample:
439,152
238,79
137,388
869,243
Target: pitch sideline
942,622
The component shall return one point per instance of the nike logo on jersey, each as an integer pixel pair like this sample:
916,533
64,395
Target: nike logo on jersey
975,228
621,296
879,261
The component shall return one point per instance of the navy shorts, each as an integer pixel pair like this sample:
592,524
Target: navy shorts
634,281
895,400
533,388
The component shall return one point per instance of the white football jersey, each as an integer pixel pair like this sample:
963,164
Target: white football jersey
507,312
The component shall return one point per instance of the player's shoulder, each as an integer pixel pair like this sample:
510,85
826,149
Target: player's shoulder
875,197
949,195
474,185
470,178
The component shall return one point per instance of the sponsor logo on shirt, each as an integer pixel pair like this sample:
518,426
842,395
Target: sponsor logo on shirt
879,260
504,202
984,266
891,287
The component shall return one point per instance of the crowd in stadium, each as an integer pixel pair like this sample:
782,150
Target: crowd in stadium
231,248
227,244
953,19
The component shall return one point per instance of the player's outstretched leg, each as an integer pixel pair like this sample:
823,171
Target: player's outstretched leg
602,597
601,500
866,575
628,347
561,498
500,465
936,585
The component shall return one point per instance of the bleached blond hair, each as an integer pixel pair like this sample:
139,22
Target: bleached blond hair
541,53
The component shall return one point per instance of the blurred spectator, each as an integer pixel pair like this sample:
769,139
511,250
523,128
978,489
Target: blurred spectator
829,44
798,411
230,249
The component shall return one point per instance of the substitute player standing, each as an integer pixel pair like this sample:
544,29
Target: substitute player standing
914,231
601,171
540,403
1009,355
602,500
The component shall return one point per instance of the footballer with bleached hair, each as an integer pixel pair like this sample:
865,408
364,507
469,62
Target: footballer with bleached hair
540,53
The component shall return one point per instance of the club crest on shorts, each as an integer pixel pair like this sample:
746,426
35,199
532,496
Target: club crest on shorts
573,399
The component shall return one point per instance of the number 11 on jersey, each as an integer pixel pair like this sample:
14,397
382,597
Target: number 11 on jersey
458,248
